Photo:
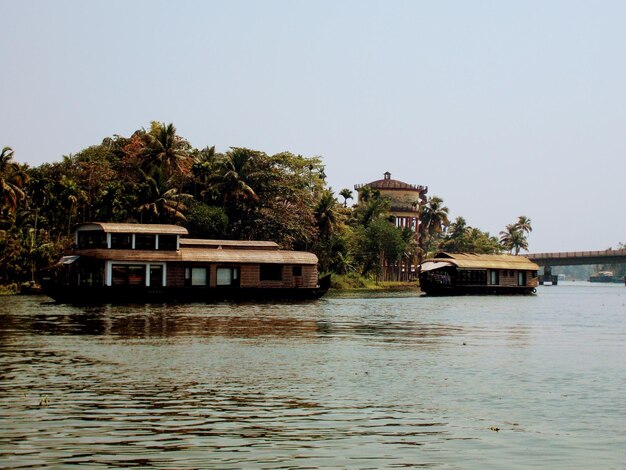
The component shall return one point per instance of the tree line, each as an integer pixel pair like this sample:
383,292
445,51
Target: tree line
157,176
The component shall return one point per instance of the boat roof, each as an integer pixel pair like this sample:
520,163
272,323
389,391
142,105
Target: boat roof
479,261
206,243
109,227
204,255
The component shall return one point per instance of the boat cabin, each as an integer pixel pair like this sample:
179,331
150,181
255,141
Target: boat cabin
157,259
470,273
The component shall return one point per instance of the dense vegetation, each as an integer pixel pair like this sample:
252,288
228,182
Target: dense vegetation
157,176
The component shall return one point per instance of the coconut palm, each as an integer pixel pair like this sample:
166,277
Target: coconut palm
513,239
161,202
458,228
165,150
434,217
326,214
12,178
524,224
235,176
70,196
346,194
432,222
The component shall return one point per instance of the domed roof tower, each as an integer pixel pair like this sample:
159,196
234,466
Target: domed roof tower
406,199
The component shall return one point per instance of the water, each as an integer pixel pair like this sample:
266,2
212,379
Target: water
385,381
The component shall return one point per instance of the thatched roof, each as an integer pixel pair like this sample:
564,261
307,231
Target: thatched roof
107,227
478,261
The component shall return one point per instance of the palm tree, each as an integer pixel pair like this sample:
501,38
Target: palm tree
204,163
12,178
164,149
162,203
346,194
433,220
326,214
458,228
371,206
435,215
71,195
456,235
513,239
523,224
235,176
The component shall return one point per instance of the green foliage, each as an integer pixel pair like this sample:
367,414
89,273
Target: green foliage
433,223
349,281
514,238
460,238
346,194
12,179
378,243
204,221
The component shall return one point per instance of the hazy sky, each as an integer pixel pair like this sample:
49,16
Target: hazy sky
502,108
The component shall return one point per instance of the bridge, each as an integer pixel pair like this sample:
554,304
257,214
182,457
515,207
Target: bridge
575,258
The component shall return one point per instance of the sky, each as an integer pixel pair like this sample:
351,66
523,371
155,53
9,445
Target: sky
501,108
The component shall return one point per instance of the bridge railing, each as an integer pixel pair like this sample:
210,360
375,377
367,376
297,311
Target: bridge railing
577,254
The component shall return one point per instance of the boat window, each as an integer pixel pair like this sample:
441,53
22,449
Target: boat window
121,241
145,242
494,278
271,272
297,270
92,239
227,277
167,242
198,277
90,275
128,275
472,277
521,278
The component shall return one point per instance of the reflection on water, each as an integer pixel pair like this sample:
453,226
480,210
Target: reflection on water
342,382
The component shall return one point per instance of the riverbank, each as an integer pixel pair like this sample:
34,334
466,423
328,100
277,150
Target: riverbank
356,282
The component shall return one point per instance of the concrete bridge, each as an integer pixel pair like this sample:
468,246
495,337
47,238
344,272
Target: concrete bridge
575,258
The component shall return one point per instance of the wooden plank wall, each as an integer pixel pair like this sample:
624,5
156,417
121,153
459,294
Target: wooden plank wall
175,275
249,274
508,278
309,276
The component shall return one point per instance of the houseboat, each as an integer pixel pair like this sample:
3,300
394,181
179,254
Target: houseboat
112,262
475,274
604,276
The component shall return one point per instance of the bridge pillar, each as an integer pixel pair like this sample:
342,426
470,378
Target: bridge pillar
548,277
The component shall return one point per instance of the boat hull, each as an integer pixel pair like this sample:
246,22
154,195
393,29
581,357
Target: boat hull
126,295
441,290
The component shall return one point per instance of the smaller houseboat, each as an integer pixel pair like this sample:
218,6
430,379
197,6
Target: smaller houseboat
113,262
604,276
475,274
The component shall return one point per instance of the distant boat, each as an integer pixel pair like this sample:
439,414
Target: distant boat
475,274
113,263
604,276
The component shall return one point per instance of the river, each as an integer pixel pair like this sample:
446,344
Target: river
378,381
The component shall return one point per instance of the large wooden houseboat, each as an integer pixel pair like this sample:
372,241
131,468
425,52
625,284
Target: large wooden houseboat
474,274
113,262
